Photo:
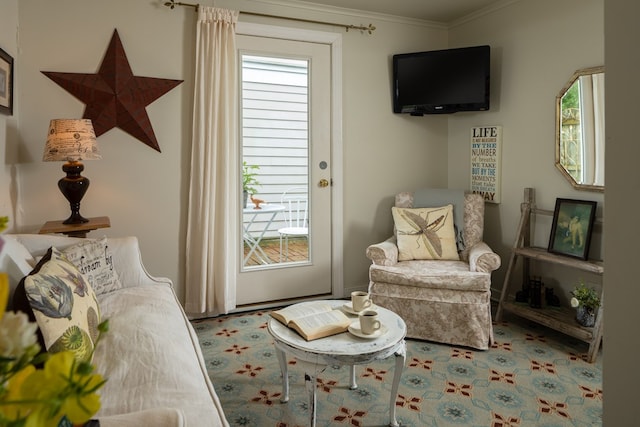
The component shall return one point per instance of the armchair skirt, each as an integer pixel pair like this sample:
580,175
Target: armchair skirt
453,307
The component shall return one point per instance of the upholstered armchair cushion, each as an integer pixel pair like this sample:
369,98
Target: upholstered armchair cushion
432,274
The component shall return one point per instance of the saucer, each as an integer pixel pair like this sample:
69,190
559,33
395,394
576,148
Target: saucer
348,307
354,328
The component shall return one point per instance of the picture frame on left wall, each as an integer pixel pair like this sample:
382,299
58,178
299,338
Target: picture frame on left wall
6,83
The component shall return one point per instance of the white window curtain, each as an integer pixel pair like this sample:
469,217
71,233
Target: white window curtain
598,98
210,277
592,120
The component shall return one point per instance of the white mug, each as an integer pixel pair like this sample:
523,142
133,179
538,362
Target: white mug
360,300
369,322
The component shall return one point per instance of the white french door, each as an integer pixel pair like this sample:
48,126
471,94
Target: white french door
285,147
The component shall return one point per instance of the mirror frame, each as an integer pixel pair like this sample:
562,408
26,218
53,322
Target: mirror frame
559,166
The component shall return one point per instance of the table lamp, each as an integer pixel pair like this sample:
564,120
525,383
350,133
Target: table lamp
72,140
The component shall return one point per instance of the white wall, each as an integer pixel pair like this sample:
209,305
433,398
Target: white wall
141,190
384,153
536,47
8,124
145,192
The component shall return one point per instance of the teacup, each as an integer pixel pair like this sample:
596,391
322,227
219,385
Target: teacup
360,300
369,322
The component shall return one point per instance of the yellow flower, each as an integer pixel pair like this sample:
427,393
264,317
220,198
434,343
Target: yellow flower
4,292
14,386
61,381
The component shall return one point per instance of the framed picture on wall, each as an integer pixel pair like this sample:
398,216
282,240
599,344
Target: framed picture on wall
6,83
572,227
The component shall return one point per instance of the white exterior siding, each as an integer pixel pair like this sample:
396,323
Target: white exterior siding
274,127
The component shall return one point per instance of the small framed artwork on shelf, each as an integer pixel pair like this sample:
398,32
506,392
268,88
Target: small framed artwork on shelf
572,227
6,83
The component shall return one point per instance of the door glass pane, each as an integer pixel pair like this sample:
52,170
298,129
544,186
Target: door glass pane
275,158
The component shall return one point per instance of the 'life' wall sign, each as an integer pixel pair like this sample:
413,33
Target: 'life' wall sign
486,146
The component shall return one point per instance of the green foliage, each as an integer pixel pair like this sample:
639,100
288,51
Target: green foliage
587,297
249,178
571,98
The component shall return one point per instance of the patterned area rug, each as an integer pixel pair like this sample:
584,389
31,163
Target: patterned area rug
531,377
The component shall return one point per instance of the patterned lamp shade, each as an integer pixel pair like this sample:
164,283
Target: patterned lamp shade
71,140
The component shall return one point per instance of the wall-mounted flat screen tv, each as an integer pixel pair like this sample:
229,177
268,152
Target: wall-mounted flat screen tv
441,81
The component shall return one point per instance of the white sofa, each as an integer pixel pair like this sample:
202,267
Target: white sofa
151,358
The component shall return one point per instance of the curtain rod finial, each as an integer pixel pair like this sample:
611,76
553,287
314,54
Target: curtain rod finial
173,3
369,29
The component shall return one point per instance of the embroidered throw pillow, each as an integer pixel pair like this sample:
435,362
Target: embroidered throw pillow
64,305
425,233
94,259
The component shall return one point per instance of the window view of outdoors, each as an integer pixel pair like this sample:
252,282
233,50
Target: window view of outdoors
275,160
571,154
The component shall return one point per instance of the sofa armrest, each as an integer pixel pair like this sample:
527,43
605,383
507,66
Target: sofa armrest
157,417
483,259
384,253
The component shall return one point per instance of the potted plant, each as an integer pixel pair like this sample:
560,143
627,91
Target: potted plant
586,302
249,181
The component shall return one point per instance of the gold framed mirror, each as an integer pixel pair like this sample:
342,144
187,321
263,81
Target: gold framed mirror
580,137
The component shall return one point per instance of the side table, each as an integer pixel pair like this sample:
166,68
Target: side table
75,230
341,349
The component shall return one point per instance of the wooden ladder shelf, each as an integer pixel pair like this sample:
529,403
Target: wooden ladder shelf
561,319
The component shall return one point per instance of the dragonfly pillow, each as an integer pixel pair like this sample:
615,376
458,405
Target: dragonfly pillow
425,233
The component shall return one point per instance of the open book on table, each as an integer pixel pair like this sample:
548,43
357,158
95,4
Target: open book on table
313,320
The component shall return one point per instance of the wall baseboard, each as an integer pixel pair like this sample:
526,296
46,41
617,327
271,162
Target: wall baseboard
348,290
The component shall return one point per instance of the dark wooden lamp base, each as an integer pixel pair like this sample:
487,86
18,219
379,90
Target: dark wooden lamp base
73,187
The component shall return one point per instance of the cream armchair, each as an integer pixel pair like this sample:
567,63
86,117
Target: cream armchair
446,301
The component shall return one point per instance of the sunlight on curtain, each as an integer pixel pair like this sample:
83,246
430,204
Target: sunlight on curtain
588,130
592,121
210,279
599,101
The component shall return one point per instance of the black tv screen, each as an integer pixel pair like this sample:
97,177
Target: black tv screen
441,81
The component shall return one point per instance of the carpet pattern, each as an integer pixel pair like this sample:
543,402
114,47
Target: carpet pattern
532,376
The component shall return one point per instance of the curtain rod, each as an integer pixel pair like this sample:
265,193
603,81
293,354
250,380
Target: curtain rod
369,29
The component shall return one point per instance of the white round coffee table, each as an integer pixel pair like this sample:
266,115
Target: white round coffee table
341,349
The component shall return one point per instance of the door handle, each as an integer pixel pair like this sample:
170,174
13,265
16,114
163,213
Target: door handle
323,183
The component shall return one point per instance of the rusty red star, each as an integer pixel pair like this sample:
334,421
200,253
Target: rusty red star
114,97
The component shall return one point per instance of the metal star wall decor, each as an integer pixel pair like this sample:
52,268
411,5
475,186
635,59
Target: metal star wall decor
114,97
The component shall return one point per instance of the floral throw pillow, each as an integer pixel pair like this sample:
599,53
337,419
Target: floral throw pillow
425,233
94,259
64,305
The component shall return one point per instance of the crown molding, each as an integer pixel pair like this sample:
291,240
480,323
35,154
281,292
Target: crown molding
494,7
306,7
